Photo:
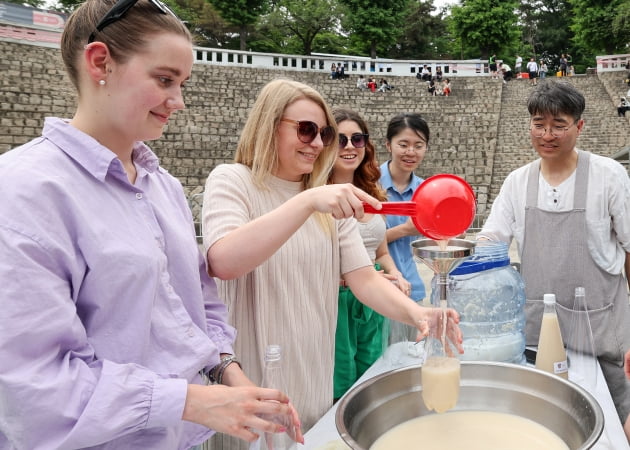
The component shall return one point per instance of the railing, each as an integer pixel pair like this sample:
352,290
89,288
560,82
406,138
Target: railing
610,63
352,64
195,201
50,35
30,34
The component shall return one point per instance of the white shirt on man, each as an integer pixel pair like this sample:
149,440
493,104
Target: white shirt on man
607,210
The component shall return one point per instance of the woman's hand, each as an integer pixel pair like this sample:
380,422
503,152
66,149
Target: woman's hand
432,321
340,200
399,281
239,410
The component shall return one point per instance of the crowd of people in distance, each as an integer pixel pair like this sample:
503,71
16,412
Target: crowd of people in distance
436,85
338,71
534,70
370,84
436,88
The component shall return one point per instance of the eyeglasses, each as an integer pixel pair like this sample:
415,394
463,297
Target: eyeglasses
307,131
539,131
121,8
358,140
418,148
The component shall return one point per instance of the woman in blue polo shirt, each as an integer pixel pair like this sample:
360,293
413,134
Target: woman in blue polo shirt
407,142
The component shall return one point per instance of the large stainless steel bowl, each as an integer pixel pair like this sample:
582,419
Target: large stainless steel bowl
380,403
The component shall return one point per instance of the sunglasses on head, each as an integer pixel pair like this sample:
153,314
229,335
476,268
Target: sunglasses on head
121,8
358,140
307,131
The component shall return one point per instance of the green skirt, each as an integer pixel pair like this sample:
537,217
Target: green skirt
358,340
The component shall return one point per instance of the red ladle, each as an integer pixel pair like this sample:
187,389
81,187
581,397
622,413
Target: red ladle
441,208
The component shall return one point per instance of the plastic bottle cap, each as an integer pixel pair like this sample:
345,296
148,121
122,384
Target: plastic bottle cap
579,291
273,352
548,299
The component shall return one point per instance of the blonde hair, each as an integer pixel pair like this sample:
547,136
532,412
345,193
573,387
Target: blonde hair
257,146
124,38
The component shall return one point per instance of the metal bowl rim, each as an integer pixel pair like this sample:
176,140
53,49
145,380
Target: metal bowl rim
590,441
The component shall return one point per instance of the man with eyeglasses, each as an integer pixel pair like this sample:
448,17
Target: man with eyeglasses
569,211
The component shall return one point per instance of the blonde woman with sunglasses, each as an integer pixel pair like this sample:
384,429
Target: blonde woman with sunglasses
279,240
108,316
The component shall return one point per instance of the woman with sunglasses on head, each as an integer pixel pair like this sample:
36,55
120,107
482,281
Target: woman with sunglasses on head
407,140
274,244
359,335
108,314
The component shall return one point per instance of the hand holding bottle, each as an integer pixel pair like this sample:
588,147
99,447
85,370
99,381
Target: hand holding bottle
289,432
441,322
238,410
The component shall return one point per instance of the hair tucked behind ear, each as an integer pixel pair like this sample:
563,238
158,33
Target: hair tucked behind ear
124,37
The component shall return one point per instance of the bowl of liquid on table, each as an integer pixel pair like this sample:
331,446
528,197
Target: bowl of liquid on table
500,405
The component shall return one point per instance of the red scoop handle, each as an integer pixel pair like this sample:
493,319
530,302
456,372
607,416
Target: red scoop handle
393,208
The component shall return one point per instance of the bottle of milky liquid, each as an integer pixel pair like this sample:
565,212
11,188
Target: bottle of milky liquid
440,372
551,356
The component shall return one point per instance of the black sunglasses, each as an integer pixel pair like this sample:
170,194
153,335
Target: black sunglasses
358,140
119,10
307,131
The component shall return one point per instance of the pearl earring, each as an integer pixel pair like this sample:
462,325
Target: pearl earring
101,82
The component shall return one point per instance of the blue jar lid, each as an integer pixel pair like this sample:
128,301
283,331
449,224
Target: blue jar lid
474,266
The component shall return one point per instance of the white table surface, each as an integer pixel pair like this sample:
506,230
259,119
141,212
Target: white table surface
324,433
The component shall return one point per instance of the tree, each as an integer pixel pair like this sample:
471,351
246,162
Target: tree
485,26
293,25
546,25
425,35
241,13
376,23
599,25
33,3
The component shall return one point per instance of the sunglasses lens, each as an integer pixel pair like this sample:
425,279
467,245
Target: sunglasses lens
307,131
358,140
328,135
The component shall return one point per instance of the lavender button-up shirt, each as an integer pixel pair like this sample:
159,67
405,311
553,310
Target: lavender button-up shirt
106,311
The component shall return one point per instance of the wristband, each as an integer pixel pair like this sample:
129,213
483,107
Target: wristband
216,373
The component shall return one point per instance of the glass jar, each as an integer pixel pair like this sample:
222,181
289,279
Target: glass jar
489,294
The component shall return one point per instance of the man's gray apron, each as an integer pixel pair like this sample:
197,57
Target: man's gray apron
556,260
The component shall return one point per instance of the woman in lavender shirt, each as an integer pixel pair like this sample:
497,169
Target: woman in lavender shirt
109,319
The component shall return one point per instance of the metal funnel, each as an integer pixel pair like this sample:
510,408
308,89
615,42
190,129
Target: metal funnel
441,261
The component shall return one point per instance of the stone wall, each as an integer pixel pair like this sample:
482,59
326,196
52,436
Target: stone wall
479,133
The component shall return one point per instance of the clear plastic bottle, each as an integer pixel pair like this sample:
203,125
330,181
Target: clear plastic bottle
551,356
579,342
273,378
489,295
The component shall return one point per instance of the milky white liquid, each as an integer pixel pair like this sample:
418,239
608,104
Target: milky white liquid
469,430
551,356
440,383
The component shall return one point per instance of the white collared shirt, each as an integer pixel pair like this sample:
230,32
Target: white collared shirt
607,210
